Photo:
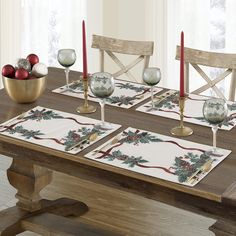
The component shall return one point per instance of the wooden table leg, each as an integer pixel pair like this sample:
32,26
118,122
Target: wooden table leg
223,228
227,227
29,180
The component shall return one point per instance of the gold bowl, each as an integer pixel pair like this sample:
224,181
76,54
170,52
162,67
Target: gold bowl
24,91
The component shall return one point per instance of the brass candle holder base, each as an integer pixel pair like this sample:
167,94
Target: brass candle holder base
181,130
86,108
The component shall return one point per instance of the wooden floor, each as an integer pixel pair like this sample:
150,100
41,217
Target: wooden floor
115,210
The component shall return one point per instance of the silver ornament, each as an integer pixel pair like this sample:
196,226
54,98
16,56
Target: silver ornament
23,63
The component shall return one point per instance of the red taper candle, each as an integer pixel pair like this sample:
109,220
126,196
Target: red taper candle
181,91
85,69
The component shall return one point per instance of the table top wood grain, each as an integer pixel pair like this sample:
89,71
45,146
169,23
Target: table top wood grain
217,186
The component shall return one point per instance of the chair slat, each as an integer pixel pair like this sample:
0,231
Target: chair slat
209,84
210,59
232,86
102,60
186,76
120,64
142,49
123,46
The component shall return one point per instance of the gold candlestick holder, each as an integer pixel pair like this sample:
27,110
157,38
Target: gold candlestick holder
86,108
181,130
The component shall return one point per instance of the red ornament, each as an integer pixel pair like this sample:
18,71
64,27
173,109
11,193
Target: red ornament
33,59
32,77
8,71
22,73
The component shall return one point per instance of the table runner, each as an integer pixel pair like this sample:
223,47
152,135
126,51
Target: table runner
166,105
159,156
126,94
55,129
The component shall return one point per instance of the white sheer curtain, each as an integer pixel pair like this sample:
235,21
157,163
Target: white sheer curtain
189,16
51,25
44,26
54,24
10,29
208,25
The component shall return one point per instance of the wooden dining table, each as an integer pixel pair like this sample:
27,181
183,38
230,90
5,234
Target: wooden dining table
32,167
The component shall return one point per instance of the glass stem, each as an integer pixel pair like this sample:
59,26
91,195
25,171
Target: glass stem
152,98
102,104
67,70
214,130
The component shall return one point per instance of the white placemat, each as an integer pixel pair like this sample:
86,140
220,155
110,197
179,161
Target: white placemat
55,129
126,94
159,156
167,105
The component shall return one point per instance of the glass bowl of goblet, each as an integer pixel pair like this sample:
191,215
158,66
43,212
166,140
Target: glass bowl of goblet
67,58
102,85
152,76
215,112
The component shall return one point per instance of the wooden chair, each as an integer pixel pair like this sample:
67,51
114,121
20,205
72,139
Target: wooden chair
210,59
143,49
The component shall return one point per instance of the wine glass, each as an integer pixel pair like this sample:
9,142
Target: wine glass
152,76
215,111
67,58
102,85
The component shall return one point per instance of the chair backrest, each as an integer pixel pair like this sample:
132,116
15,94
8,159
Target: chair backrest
196,57
143,49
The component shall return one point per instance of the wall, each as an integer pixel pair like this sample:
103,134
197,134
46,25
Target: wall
94,26
136,20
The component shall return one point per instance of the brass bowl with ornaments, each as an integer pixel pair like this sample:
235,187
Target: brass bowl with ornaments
24,91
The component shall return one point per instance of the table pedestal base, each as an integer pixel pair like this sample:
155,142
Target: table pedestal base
15,220
33,213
